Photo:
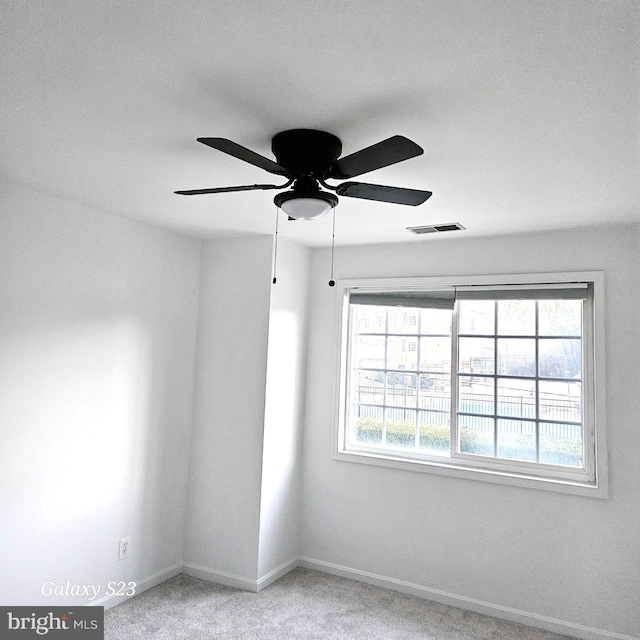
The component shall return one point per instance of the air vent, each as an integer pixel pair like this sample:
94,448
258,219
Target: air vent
434,228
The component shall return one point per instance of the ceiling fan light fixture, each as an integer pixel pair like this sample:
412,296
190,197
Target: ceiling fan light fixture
306,206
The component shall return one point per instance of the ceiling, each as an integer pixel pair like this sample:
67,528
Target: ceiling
528,112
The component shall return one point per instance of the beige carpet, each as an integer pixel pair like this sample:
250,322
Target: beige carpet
304,604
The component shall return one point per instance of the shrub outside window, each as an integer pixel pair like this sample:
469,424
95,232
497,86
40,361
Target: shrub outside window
488,377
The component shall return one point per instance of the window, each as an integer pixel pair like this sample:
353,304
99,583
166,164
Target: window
488,378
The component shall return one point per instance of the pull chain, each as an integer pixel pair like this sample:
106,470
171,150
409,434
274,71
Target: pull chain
275,251
332,282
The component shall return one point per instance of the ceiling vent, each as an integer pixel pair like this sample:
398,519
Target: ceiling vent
434,228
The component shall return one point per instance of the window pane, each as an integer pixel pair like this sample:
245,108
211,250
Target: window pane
435,434
517,317
559,317
401,428
517,357
476,435
434,321
402,320
561,401
517,398
561,444
517,440
475,398
435,354
481,386
401,390
560,358
369,352
366,429
402,353
435,392
368,318
477,316
476,355
368,387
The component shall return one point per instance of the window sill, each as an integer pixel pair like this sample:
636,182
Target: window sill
446,468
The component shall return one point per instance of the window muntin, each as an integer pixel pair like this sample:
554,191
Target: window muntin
517,362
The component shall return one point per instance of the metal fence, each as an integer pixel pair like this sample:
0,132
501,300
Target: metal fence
401,403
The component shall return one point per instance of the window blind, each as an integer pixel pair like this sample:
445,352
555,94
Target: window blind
442,299
563,291
446,298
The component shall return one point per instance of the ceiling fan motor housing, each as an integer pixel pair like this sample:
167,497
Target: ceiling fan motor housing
306,152
307,155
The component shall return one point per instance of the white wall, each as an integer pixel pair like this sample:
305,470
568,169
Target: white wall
223,514
97,342
282,446
244,486
557,556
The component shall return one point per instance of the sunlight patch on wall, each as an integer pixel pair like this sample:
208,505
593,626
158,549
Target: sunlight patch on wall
74,406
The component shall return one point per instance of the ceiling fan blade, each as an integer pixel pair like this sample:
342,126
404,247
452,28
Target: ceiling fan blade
396,195
246,187
382,154
242,153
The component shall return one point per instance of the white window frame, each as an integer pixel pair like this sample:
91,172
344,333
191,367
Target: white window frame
589,481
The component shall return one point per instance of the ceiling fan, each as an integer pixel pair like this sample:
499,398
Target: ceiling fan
308,158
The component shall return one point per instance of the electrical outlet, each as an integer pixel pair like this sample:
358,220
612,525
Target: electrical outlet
125,548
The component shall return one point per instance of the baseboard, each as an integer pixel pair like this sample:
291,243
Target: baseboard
277,573
141,585
239,582
461,602
220,577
